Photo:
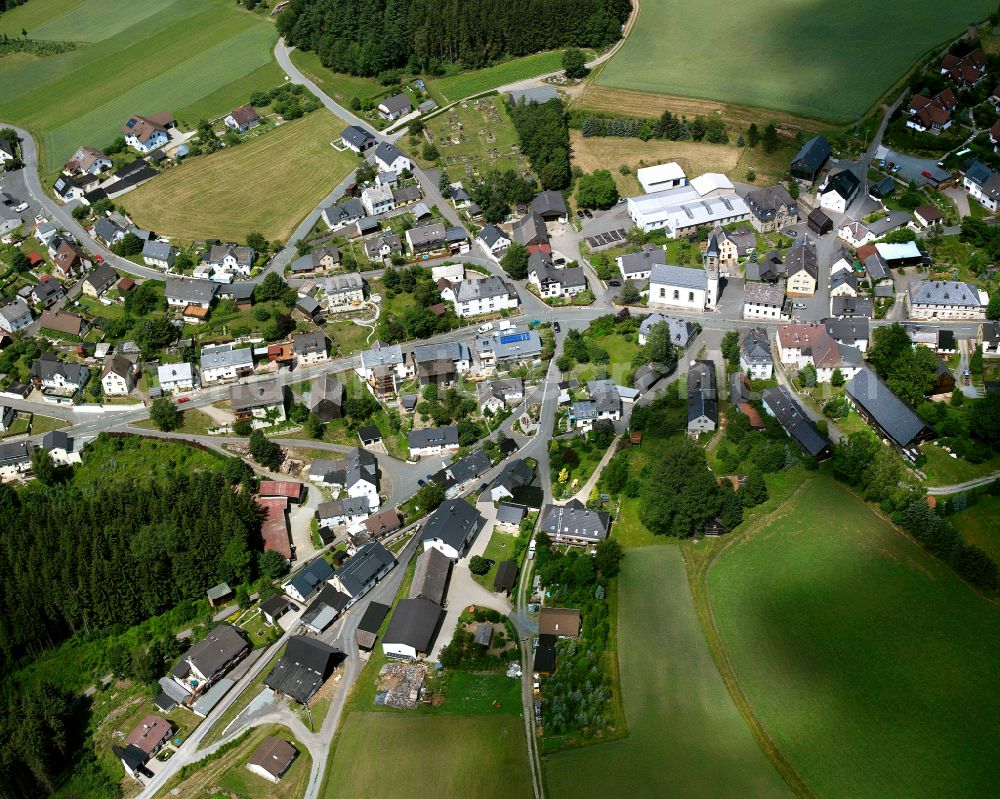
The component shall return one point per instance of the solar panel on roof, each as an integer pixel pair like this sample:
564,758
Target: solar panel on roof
514,338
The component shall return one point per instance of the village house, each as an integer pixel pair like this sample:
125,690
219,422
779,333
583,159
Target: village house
451,528
209,659
392,108
70,259
550,206
118,376
802,268
844,283
982,184
493,240
505,348
389,159
99,280
187,292
946,299
966,70
50,373
261,403
47,292
804,344
530,231
146,134
411,629
892,419
231,258
242,119
319,259
63,449
850,332
779,403
516,474
305,582
159,253
771,209
63,324
357,139
932,113
348,511
855,233
357,473
272,758
703,401
839,191
427,238
15,459
755,353
682,331
299,674
574,524
638,266
142,743
383,368
342,214
495,395
810,158
763,300
87,160
309,348
225,362
377,200
555,283
176,377
441,363
14,316
481,296
432,440
362,571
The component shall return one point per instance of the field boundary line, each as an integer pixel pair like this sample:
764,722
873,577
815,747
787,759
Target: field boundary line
698,582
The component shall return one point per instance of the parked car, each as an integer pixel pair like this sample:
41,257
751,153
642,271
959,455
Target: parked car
486,328
555,327
99,259
579,214
182,400
587,214
559,262
615,283
21,207
421,483
798,306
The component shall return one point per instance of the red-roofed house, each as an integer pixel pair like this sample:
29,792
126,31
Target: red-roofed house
242,119
281,488
932,113
274,529
125,285
965,70
150,734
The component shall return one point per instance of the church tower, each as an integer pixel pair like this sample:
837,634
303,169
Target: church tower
712,254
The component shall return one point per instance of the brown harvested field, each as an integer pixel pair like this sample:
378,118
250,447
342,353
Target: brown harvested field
599,152
647,104
267,184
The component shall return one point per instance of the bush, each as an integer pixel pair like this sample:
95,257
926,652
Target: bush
478,565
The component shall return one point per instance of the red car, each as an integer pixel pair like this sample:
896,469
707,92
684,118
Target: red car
182,400
99,259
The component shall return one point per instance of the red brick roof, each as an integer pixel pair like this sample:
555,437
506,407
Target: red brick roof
149,733
281,488
274,529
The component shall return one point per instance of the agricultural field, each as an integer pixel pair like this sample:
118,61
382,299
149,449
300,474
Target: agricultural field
604,152
475,138
472,756
871,666
828,61
980,525
135,59
679,714
197,200
466,84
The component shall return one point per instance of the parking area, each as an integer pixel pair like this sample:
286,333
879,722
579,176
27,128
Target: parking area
922,171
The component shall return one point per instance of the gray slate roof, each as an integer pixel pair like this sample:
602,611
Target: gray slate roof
944,292
433,436
413,624
681,276
362,567
894,416
452,522
575,519
430,576
799,426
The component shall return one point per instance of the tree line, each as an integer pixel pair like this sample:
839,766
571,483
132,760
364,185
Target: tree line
372,37
544,134
79,558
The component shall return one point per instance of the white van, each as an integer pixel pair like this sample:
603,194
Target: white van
486,328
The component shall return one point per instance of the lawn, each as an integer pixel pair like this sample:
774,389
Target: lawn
600,152
466,84
680,716
132,457
980,525
499,549
193,423
942,469
341,87
474,138
227,775
142,59
872,667
294,162
472,756
782,55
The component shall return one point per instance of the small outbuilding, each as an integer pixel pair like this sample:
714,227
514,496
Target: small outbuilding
272,758
819,222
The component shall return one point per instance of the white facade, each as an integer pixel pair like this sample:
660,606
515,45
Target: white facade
683,287
470,302
116,385
176,377
377,200
977,193
660,177
15,316
683,210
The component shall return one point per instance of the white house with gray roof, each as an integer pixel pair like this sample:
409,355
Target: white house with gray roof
433,440
176,377
342,214
946,299
261,403
159,253
389,159
476,297
182,292
755,353
493,240
225,362
574,523
343,291
15,316
552,282
378,200
505,347
356,139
